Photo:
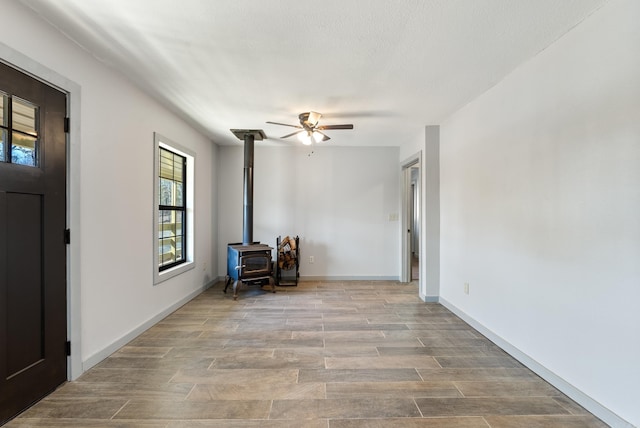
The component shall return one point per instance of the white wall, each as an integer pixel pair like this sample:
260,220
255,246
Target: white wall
112,205
338,200
430,258
540,198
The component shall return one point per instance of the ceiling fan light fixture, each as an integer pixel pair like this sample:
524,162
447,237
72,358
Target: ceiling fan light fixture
305,138
317,136
313,118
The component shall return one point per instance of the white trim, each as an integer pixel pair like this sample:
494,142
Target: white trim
122,341
27,65
349,278
565,387
161,141
405,256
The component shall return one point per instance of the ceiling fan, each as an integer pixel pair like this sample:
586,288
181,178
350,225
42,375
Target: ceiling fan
309,130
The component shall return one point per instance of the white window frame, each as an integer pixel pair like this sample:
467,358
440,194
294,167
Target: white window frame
158,142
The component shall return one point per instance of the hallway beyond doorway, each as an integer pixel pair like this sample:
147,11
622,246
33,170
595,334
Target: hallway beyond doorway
415,268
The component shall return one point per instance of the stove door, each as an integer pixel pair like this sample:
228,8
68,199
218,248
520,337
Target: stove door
255,265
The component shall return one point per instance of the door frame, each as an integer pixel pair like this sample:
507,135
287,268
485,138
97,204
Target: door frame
42,73
407,218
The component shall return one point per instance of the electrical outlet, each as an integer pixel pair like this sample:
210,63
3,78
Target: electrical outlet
466,288
311,259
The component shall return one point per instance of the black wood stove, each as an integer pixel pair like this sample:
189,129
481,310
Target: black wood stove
248,262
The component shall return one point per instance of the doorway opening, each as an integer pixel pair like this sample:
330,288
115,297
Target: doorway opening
414,213
411,218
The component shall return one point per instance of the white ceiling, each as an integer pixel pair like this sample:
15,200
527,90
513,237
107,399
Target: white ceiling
388,67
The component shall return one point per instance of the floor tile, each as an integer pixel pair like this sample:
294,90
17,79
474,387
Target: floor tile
464,422
24,422
393,362
127,375
142,351
571,406
164,363
273,343
477,374
358,375
80,390
545,422
235,423
257,391
335,351
343,390
478,362
196,352
507,389
76,408
215,409
443,351
442,335
431,407
279,360
345,408
248,376
339,335
366,341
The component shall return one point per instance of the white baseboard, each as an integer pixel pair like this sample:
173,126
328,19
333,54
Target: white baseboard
565,387
114,346
429,299
349,278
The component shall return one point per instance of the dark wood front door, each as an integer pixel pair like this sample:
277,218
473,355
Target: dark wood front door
33,326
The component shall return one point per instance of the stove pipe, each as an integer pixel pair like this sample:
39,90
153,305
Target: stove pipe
247,205
249,136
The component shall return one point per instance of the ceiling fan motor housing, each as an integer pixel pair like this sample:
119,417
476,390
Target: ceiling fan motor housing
309,119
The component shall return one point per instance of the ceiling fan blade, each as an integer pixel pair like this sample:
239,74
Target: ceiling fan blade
346,126
285,124
325,137
289,135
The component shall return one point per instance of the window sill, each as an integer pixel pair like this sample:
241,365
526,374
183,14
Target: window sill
159,277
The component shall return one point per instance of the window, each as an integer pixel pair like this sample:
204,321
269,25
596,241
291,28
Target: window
173,209
18,131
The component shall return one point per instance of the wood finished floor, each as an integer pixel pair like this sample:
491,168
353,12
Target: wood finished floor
323,354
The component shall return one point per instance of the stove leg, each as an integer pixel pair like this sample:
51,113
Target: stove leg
235,290
227,285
